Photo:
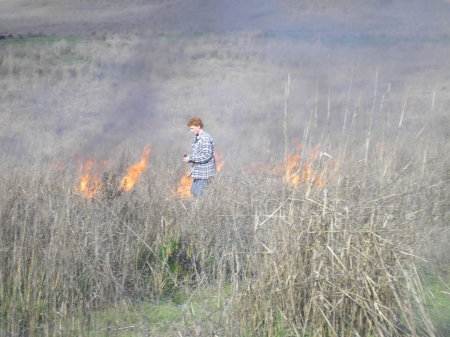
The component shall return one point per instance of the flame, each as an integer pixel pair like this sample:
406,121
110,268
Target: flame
89,184
220,162
301,171
134,171
184,186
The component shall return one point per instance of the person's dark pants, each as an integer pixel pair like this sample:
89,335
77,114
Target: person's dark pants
198,185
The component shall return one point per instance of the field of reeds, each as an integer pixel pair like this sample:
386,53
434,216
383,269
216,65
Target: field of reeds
328,218
339,259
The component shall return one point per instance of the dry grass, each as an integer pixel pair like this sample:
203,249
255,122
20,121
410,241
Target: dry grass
339,259
337,264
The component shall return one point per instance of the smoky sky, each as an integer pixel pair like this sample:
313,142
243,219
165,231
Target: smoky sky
407,19
396,36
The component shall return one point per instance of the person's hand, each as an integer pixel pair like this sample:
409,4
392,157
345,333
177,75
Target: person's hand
186,159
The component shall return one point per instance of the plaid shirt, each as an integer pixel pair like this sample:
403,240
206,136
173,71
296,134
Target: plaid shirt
202,157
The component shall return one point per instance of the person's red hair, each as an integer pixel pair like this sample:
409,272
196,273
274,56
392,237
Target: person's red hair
195,121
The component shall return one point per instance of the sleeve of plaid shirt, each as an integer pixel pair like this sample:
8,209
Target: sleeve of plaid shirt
202,157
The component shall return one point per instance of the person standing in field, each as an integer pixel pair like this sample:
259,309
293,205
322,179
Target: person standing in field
201,158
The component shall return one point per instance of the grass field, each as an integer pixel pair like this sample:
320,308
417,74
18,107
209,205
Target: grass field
329,217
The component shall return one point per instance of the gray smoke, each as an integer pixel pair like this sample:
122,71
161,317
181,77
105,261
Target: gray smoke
228,61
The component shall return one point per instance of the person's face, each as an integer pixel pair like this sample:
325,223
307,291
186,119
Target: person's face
195,129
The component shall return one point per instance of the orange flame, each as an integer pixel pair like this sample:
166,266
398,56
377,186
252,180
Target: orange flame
134,171
220,162
184,186
301,171
89,184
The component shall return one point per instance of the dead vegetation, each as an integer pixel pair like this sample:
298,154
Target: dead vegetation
339,260
331,245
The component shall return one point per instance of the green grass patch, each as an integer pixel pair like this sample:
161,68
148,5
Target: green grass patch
155,318
65,53
438,302
133,320
72,58
41,40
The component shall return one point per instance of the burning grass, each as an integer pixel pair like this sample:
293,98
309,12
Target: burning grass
317,245
337,260
90,184
301,168
127,183
183,188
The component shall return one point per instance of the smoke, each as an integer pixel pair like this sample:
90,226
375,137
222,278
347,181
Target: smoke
228,61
